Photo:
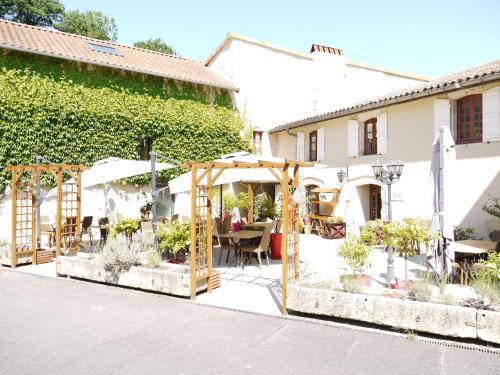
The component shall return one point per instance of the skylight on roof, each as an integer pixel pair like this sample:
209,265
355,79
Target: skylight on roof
105,49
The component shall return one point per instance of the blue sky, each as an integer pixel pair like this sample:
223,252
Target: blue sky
426,37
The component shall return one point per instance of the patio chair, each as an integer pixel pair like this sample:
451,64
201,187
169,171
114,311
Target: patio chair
224,243
103,229
87,227
175,217
261,248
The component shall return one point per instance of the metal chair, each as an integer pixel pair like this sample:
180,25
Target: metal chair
103,229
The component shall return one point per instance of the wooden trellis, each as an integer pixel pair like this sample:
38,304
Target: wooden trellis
24,210
201,218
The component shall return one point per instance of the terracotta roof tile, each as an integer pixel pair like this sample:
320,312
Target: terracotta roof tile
456,81
54,43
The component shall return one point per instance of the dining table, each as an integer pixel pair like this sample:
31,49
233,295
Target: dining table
236,237
468,251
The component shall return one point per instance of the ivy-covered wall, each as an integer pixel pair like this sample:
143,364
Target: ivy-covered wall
77,113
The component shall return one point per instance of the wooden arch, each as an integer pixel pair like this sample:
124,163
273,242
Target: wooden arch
202,222
24,210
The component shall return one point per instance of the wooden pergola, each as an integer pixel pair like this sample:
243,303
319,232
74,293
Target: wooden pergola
203,177
24,210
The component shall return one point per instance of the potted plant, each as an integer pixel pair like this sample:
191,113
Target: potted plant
173,239
356,253
232,204
335,227
307,225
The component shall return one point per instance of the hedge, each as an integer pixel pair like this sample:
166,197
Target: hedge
76,114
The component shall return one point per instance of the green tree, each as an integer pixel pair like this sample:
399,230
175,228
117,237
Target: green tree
156,44
32,12
91,23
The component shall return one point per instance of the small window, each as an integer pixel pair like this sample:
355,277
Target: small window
371,137
313,146
144,148
105,49
470,119
257,142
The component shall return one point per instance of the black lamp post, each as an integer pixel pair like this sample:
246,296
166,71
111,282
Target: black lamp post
388,174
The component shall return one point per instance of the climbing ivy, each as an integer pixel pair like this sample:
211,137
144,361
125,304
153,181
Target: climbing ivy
70,113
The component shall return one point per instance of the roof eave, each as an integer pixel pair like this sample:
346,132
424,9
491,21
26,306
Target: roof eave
396,100
114,66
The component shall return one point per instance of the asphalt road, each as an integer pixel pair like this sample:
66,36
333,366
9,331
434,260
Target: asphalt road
50,326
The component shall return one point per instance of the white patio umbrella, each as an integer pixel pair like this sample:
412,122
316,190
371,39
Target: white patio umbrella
443,159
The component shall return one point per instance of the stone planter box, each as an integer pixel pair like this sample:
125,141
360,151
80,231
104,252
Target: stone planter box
5,257
169,278
446,320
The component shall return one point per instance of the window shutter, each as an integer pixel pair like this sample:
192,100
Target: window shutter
441,114
491,114
382,133
352,139
321,144
300,146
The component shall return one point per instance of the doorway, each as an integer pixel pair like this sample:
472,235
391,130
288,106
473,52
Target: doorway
375,202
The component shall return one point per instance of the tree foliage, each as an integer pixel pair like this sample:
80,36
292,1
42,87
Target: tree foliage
156,44
32,12
91,23
70,115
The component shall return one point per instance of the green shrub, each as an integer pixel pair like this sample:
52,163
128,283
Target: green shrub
493,208
355,253
462,234
173,237
421,290
263,207
231,201
486,278
118,254
153,259
352,284
125,226
335,220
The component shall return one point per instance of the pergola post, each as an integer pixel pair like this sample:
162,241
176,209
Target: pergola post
34,214
13,257
78,233
209,229
250,203
193,231
284,239
59,212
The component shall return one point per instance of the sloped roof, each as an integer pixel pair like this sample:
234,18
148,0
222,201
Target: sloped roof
471,77
26,38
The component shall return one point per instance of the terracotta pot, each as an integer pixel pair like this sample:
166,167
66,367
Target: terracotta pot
276,245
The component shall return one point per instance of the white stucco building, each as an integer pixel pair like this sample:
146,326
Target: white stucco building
403,125
278,85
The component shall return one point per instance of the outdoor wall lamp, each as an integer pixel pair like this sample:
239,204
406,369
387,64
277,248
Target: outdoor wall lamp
388,174
342,175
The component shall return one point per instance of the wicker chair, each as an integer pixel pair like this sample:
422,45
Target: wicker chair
261,248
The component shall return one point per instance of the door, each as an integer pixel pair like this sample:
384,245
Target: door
375,202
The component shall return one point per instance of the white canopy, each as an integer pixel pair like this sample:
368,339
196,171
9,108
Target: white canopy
183,182
111,169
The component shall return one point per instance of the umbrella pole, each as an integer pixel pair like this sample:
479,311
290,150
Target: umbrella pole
441,204
153,196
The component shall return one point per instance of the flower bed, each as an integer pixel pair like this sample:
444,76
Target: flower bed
167,278
447,320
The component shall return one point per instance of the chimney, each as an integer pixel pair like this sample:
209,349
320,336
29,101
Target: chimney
326,49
